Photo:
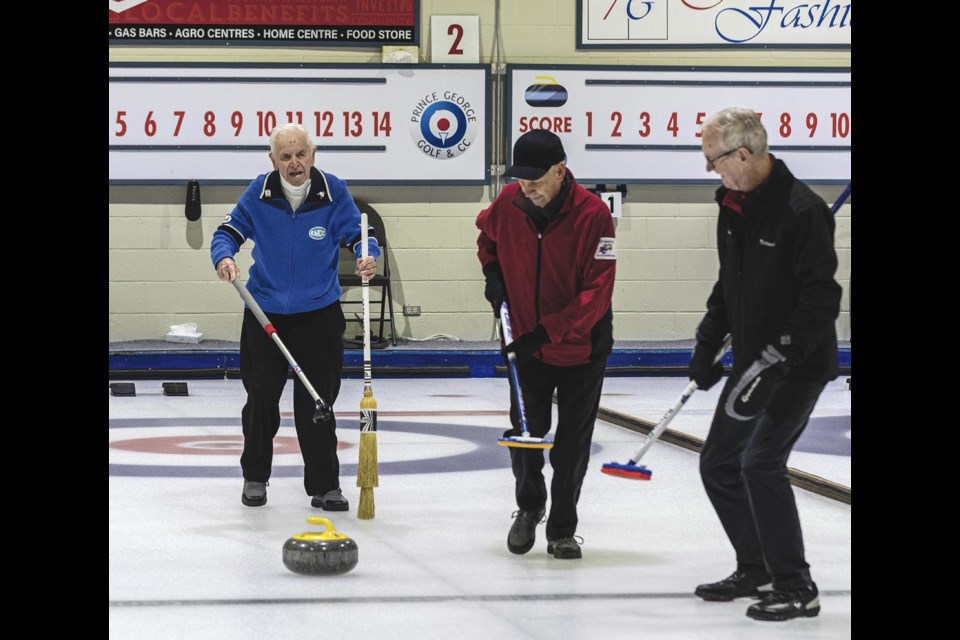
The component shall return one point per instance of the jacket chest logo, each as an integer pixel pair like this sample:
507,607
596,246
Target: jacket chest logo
318,233
766,243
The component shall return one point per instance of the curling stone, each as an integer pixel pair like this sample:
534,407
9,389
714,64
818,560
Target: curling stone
315,553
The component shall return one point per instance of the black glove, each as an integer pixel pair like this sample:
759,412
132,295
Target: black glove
528,344
495,292
753,390
702,368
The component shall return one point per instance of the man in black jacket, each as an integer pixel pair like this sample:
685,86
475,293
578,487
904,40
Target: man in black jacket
777,297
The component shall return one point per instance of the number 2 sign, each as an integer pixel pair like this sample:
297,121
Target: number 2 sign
455,39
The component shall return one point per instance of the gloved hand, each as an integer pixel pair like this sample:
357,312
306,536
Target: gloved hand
528,344
753,390
702,369
495,292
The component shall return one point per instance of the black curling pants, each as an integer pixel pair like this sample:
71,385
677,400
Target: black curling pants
578,400
315,342
743,466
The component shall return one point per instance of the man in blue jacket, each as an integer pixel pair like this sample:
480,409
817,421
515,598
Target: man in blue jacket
298,217
777,297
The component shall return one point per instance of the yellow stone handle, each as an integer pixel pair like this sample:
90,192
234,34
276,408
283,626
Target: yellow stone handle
329,532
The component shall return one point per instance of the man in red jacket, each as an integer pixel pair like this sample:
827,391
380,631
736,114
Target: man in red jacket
546,245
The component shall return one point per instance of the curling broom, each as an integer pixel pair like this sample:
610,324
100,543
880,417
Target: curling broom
525,440
640,472
323,412
367,475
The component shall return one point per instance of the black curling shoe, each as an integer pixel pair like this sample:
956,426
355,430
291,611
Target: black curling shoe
523,532
787,604
740,584
332,500
254,493
566,548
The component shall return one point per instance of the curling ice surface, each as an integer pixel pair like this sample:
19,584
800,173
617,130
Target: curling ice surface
435,562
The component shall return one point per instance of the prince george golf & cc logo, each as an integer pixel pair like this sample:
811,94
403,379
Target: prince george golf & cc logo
443,124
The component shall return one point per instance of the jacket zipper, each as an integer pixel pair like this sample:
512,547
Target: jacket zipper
536,287
293,261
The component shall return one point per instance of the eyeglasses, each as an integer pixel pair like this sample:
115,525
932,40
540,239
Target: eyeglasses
712,162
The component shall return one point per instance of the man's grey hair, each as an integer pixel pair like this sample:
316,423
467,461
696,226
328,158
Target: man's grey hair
289,129
739,128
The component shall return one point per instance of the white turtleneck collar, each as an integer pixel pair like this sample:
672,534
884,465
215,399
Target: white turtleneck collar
295,195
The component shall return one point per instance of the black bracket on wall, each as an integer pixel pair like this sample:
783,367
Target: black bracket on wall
192,207
601,188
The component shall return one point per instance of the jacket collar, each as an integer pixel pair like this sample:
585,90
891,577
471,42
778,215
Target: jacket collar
319,189
778,174
565,197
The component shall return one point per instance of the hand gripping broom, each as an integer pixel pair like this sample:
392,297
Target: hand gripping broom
640,472
367,475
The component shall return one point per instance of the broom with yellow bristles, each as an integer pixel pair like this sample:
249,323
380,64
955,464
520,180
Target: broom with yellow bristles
367,475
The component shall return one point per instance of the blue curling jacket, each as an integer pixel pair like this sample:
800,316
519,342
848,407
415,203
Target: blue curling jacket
296,254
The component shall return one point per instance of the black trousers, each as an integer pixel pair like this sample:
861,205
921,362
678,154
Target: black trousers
578,400
315,341
743,466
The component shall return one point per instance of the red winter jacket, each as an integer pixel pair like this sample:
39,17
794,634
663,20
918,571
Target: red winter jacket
562,279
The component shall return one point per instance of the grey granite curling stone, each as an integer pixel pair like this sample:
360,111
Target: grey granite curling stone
327,552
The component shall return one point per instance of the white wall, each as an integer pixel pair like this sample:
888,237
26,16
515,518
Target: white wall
159,265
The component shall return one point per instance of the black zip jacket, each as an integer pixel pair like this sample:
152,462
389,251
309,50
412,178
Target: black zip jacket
776,284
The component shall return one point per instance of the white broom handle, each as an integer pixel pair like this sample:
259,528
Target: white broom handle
365,286
269,328
672,411
254,307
